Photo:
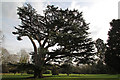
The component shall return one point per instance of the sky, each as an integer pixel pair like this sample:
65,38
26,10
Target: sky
98,13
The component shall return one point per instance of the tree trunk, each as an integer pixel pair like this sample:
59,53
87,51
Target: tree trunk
39,65
67,74
38,73
38,59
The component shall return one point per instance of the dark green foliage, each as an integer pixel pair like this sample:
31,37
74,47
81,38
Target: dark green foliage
21,67
55,70
64,28
66,68
112,57
96,68
101,48
4,68
47,72
30,72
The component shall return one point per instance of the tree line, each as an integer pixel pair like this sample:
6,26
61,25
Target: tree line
6,58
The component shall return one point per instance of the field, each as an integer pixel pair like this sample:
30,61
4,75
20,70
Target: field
62,77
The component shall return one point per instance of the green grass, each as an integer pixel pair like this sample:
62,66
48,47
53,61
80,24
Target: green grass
62,77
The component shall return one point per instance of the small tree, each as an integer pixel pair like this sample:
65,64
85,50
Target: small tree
24,56
67,68
64,28
112,56
5,56
6,59
101,49
55,70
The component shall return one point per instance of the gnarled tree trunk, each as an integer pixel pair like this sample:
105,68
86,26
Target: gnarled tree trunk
39,63
38,73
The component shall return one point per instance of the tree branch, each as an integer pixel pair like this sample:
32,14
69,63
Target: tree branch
34,45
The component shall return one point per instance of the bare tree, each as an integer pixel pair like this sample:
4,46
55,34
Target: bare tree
24,56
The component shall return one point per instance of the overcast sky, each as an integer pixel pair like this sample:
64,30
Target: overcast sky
96,12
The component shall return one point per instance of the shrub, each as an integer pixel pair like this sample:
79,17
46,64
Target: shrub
30,72
47,72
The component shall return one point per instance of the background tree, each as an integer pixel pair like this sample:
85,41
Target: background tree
67,64
67,68
101,48
24,56
22,65
112,57
64,28
14,58
1,38
55,69
5,56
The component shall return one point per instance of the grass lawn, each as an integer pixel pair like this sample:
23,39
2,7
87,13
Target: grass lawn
62,77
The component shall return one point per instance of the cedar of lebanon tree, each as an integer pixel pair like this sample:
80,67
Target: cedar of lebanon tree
112,56
64,28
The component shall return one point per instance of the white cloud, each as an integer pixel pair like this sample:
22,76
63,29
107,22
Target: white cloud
9,20
74,5
99,15
38,6
9,9
9,16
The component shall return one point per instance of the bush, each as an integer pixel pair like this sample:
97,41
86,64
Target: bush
47,72
55,71
30,72
5,68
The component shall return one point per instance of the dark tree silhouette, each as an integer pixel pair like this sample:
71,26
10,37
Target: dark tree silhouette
64,28
55,70
67,68
112,57
101,48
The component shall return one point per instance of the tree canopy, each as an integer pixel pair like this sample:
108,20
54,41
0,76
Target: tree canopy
64,28
112,57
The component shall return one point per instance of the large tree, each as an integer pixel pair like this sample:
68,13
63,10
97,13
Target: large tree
112,57
65,28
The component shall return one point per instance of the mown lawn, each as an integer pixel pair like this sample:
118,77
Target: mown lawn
62,77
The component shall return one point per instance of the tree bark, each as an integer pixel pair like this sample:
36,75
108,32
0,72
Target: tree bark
39,63
34,45
39,59
38,73
38,69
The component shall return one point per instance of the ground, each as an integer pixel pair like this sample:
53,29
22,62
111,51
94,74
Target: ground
61,77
